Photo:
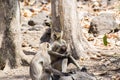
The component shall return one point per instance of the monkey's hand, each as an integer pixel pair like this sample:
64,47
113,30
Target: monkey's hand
66,54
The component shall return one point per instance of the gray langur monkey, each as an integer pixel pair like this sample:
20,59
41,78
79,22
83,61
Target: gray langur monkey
38,62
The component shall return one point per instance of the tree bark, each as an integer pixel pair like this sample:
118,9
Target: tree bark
10,34
65,18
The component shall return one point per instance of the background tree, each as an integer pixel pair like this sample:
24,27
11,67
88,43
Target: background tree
65,18
10,35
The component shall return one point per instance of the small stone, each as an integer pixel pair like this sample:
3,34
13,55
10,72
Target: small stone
103,23
31,23
118,43
99,73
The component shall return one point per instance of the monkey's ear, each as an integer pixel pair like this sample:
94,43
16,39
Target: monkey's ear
54,36
48,45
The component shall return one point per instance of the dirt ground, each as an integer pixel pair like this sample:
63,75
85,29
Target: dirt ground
105,67
21,73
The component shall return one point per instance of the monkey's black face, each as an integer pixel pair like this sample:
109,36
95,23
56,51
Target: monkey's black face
63,49
56,36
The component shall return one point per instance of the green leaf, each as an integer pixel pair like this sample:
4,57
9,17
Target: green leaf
105,40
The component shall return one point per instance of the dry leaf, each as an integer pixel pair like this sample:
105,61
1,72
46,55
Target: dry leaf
90,39
32,10
87,26
112,35
26,3
25,14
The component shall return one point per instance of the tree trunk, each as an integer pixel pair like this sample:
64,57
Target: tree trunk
65,18
10,34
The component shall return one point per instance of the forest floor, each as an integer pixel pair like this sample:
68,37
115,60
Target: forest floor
35,18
